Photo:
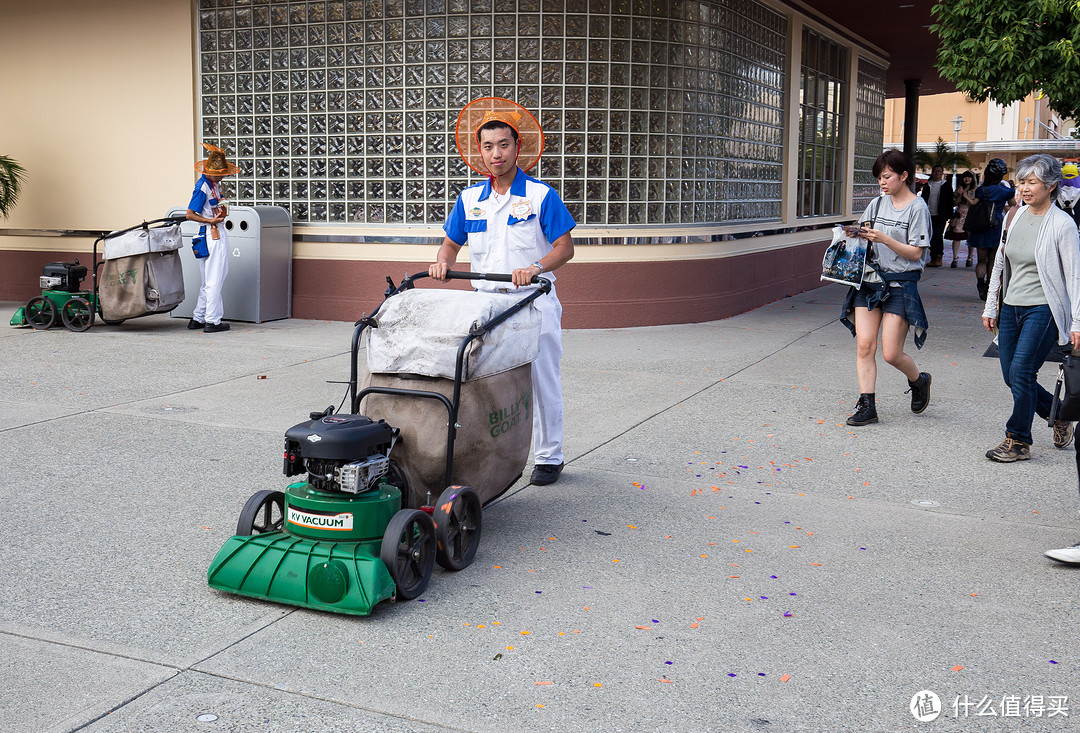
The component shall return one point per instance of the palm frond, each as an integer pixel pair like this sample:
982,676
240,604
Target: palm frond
12,176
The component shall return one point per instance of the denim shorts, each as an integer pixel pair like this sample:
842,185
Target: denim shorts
895,303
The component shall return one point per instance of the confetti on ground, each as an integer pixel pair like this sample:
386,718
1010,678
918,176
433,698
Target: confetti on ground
957,668
785,678
542,682
664,680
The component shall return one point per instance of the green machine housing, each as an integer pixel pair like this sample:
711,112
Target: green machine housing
319,544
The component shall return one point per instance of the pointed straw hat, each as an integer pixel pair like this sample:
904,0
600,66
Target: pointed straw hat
215,164
479,112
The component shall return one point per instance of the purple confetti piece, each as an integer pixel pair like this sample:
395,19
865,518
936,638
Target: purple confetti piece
587,587
730,674
760,674
655,621
764,598
674,662
773,577
787,614
539,591
862,548
1052,662
792,594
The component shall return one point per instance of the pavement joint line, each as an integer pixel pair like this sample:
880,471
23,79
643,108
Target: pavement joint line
127,702
105,409
332,700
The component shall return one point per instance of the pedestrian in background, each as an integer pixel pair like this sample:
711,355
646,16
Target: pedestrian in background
1000,196
211,245
1033,301
963,198
938,194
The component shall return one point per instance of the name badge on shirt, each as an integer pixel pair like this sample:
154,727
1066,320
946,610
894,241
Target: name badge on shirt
477,211
521,209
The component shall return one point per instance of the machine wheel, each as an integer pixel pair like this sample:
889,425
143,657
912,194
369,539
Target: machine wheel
40,312
77,314
263,512
408,551
457,527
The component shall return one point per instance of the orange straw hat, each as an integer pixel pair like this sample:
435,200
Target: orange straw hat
481,111
215,163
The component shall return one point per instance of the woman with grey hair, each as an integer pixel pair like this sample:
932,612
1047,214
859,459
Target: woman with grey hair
1036,281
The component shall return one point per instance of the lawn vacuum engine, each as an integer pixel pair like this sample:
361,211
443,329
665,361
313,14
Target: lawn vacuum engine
379,503
327,447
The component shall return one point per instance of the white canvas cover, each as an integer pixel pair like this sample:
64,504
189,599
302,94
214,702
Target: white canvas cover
140,241
419,332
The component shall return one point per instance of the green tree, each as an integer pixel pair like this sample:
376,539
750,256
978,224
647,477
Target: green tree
942,155
1005,51
12,176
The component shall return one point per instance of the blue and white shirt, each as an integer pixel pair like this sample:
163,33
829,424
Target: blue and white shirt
505,233
203,200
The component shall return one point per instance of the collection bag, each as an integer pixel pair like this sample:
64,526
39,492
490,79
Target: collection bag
1066,404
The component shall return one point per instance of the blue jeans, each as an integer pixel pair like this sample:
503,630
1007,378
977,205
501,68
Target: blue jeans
1026,333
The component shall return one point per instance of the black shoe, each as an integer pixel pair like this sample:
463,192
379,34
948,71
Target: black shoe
865,411
194,325
984,288
920,392
215,327
546,473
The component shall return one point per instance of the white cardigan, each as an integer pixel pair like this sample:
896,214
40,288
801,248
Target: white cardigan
1057,258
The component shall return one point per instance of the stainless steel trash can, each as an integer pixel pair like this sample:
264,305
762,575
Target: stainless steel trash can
259,284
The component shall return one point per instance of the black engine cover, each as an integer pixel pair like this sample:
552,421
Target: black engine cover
342,438
72,273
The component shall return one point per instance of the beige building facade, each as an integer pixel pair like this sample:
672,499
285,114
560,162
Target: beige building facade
988,130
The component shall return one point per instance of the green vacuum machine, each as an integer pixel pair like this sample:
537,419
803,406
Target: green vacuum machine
447,398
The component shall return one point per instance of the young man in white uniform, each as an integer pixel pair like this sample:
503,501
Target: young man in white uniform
515,223
206,208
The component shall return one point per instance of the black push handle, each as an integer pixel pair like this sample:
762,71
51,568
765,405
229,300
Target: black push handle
498,277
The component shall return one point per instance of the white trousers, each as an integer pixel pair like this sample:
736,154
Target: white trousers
213,269
547,384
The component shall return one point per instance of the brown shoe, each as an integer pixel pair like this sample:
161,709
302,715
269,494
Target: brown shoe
935,262
1009,451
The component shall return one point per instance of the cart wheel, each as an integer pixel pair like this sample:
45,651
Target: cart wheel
408,551
40,312
263,512
77,314
457,527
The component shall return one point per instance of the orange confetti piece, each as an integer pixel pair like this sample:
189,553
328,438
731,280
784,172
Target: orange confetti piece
703,556
631,526
641,627
785,678
694,625
695,492
597,684
586,608
524,633
733,576
974,594
497,567
701,618
664,680
957,668
542,682
816,564
795,546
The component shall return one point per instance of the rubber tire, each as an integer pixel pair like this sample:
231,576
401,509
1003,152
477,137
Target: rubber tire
262,502
77,315
457,518
408,551
45,313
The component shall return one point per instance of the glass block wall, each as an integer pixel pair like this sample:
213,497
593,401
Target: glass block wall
869,132
822,125
344,111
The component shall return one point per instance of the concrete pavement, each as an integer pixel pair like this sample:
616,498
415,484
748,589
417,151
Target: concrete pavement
722,553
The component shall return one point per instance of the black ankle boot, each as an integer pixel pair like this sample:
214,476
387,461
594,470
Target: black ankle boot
920,392
865,410
984,287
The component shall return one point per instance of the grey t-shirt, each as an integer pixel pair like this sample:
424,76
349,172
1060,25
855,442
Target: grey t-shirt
910,225
1025,288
